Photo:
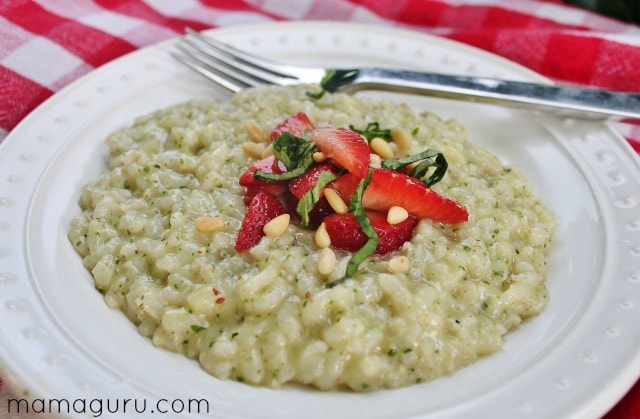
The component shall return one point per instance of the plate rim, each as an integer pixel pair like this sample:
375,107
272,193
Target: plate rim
342,25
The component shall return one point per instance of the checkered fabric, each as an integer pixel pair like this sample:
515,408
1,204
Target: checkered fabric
46,44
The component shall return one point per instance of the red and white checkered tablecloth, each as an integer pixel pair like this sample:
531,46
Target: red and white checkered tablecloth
46,44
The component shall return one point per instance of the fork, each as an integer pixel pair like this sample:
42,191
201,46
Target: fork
235,70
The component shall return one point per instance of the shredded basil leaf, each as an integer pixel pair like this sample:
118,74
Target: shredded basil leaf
312,196
302,167
294,152
428,159
316,95
372,131
440,164
291,150
355,205
329,74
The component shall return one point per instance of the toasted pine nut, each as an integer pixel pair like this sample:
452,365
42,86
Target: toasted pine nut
206,224
401,138
335,201
326,261
277,226
256,134
322,237
398,264
375,161
253,149
268,150
381,148
319,156
396,215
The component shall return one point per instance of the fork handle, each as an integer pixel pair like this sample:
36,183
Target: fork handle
585,103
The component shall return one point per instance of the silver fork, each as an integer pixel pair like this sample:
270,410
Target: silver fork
235,70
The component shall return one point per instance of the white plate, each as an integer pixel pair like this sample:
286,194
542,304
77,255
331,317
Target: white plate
59,340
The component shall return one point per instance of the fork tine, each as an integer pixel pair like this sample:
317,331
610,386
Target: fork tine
225,81
235,69
240,56
249,75
209,52
212,64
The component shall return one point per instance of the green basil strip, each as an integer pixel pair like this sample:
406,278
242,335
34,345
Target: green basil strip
441,165
395,164
372,131
302,165
334,79
312,196
292,150
316,95
365,251
355,205
428,159
274,177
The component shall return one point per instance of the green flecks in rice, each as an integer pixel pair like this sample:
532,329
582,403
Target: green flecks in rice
265,317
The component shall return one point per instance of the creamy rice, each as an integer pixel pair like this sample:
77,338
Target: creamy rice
266,317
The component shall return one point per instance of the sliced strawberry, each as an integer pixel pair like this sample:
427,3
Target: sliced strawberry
346,234
347,148
297,125
302,184
276,189
253,185
262,208
345,185
389,188
268,165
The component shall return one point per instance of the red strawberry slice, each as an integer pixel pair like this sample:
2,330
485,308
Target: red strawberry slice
389,188
302,184
347,148
262,208
345,185
297,125
268,165
276,189
346,234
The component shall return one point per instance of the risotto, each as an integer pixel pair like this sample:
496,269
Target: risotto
158,231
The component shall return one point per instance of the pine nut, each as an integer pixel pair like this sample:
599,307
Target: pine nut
398,264
268,150
326,261
319,157
322,238
335,201
206,224
401,138
277,226
396,215
256,134
253,149
375,161
381,148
